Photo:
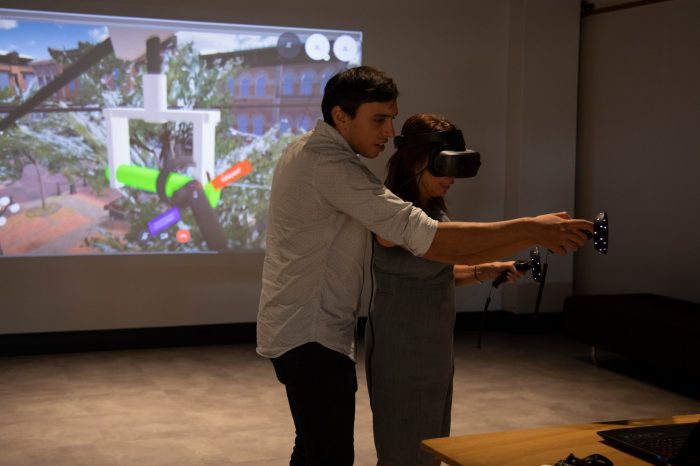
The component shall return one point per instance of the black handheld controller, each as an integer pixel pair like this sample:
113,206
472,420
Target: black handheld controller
600,233
520,266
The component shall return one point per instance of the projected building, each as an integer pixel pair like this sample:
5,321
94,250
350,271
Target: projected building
89,121
272,90
269,91
15,71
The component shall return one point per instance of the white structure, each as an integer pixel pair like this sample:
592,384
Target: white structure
129,44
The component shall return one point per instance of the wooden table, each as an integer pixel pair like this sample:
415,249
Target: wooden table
541,446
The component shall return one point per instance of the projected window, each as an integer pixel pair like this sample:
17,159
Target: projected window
260,83
258,124
245,86
307,83
114,130
305,123
288,83
325,77
284,124
243,123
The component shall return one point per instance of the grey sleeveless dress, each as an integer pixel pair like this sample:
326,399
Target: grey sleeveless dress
409,355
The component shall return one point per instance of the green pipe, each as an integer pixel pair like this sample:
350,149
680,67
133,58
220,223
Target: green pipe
145,178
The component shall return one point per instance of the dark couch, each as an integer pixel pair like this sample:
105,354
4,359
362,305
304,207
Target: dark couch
644,327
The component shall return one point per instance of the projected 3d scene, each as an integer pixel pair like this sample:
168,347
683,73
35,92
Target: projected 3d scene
136,135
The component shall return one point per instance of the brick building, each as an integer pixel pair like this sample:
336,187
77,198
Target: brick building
274,90
15,71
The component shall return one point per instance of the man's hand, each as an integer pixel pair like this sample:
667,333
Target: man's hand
560,233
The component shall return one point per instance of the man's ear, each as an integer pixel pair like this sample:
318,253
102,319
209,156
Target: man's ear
340,118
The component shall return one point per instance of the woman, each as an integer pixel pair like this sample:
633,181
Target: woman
409,355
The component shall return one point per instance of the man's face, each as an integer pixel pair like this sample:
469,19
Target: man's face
369,131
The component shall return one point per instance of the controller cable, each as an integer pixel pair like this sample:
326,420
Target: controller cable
482,324
494,284
520,266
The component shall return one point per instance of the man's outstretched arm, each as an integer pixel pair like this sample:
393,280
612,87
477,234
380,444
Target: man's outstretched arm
472,243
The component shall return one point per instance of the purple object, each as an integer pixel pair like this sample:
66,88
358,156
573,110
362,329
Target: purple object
164,220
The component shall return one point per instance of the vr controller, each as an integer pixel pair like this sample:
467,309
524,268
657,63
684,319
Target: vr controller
522,266
600,243
600,233
539,269
448,153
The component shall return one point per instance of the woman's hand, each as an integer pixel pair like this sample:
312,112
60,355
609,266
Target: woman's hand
485,273
491,270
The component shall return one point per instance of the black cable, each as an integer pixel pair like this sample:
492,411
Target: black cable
483,317
520,266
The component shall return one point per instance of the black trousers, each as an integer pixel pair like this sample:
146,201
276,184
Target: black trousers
321,385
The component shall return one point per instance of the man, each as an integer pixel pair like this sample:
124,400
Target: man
323,202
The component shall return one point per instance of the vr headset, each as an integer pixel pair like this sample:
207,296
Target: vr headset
449,155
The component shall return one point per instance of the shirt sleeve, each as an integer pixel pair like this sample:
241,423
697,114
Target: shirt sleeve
349,186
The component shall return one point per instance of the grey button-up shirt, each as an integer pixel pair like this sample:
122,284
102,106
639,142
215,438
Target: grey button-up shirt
323,202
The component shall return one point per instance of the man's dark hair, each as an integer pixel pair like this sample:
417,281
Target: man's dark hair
355,86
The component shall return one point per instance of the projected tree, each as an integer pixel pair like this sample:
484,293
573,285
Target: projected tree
69,139
243,206
64,144
56,140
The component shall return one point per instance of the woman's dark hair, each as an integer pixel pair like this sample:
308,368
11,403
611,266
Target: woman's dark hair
402,168
355,86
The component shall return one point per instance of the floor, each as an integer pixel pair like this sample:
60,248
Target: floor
221,405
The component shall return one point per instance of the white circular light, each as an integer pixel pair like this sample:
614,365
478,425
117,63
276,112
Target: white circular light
317,47
345,48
